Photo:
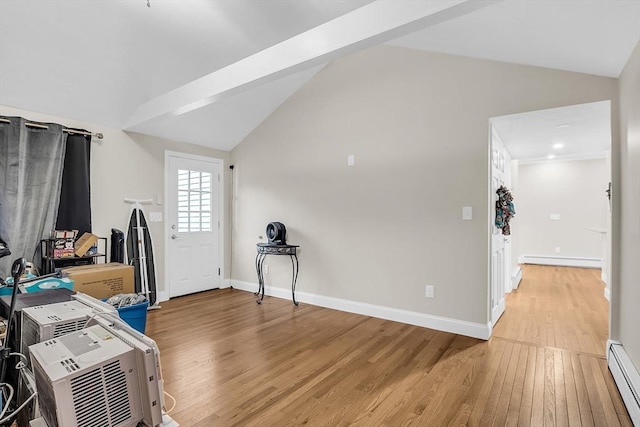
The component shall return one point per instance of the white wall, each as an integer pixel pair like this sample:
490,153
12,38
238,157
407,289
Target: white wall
126,165
573,189
378,232
625,289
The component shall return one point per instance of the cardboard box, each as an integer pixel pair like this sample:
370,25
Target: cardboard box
102,280
84,243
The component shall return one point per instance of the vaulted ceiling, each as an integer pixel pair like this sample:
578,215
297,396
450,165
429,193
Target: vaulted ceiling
208,72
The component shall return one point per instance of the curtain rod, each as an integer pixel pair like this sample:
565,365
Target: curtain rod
66,130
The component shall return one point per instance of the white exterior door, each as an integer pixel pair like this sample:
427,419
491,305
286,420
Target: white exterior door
193,208
500,277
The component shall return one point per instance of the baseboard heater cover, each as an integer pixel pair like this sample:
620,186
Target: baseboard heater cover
561,261
627,380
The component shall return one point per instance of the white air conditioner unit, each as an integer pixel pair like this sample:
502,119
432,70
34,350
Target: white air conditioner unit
105,375
87,378
43,322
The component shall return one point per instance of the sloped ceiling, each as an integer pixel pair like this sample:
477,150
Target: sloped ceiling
101,60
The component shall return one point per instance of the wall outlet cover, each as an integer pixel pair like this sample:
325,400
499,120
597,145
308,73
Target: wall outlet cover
429,292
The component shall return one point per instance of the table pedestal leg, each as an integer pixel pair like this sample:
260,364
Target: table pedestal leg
259,262
294,277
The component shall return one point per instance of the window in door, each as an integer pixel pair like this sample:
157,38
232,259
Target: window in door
194,201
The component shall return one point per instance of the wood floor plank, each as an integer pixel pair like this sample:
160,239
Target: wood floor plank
573,411
586,415
231,362
515,403
524,415
562,413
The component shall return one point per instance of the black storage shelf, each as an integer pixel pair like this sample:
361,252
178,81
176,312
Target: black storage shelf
50,263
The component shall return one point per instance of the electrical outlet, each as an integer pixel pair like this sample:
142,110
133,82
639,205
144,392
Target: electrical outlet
266,269
351,160
557,249
429,292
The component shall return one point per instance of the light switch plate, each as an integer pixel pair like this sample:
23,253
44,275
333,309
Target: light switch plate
351,160
467,213
155,216
554,217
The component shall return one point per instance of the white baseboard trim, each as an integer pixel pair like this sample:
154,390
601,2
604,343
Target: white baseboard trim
626,377
164,295
607,293
562,261
516,278
460,327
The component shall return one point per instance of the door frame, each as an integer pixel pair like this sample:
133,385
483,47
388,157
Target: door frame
221,203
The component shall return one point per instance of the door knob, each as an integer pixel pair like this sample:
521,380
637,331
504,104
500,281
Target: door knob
174,237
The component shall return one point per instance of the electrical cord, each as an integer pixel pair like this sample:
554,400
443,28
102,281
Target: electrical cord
172,406
19,365
94,315
22,356
14,413
6,406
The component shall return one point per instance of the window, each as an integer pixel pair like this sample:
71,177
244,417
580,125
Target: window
194,201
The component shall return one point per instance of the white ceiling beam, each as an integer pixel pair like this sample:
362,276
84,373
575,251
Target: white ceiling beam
372,24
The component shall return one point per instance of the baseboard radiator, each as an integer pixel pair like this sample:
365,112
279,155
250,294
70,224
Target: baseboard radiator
627,379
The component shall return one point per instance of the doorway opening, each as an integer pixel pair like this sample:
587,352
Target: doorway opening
558,168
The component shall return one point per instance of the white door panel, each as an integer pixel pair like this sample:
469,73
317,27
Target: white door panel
500,245
193,224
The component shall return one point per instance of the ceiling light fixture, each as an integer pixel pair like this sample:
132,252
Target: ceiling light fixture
558,146
563,125
551,156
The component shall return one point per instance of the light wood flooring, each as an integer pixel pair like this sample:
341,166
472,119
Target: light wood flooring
230,362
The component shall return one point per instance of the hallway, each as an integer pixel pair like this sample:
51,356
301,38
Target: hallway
559,307
561,316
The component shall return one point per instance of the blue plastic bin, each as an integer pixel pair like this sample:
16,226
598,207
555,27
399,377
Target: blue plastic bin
135,315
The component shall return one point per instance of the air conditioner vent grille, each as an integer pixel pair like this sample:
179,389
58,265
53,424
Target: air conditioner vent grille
70,365
101,397
68,327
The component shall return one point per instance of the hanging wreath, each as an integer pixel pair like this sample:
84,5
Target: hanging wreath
505,210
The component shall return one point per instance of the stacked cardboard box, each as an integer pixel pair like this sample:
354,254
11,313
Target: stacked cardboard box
102,280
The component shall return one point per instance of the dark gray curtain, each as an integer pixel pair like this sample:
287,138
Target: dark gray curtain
31,161
74,212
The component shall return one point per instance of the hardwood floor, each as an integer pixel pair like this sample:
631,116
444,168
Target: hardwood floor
558,307
230,362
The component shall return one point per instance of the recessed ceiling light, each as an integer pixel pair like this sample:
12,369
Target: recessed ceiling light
563,125
551,156
558,146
